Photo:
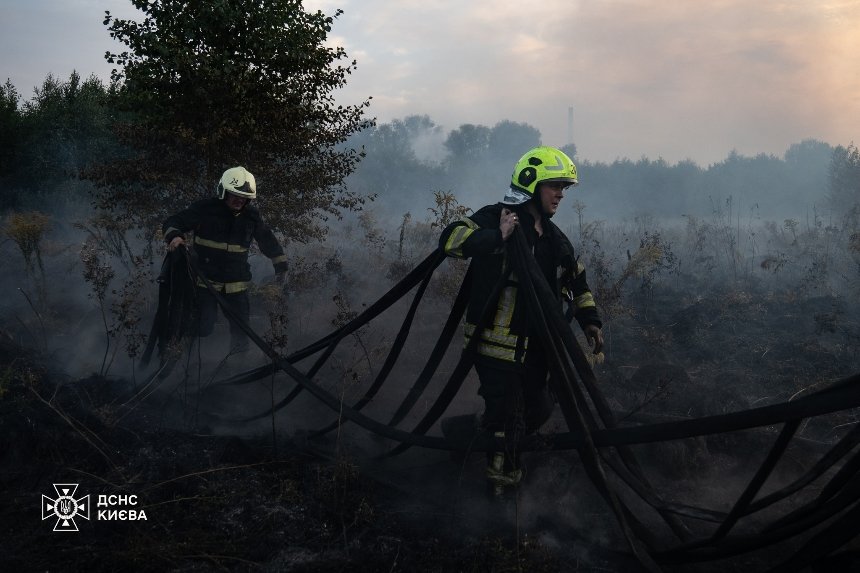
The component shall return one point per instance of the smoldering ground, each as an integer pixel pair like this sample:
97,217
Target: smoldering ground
709,333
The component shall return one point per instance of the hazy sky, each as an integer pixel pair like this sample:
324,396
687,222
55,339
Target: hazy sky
661,79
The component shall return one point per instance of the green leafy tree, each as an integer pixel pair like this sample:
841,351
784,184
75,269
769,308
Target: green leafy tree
467,157
509,140
205,86
10,133
391,168
480,158
68,127
10,124
468,143
48,139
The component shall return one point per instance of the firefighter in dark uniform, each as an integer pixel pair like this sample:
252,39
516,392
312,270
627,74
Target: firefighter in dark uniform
510,364
223,229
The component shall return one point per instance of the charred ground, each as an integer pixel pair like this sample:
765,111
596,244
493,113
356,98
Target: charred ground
261,496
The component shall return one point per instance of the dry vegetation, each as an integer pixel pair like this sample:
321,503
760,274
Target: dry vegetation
703,317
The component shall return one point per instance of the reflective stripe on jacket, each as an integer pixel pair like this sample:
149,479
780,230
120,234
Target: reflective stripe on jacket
222,240
478,237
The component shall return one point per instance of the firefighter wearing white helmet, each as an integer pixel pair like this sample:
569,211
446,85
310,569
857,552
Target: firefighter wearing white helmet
223,228
511,365
239,182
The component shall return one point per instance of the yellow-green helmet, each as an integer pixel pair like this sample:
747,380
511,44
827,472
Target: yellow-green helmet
539,165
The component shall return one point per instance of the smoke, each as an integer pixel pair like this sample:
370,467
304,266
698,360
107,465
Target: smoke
687,273
428,146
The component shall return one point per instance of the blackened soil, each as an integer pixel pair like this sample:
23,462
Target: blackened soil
213,500
228,503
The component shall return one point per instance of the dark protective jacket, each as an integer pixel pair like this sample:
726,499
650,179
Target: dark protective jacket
222,238
479,237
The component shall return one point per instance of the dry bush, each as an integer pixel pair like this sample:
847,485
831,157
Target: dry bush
774,263
447,279
129,308
98,273
416,241
608,278
27,230
374,237
277,311
305,274
447,210
110,233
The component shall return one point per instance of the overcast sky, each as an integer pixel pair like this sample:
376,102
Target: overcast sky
644,77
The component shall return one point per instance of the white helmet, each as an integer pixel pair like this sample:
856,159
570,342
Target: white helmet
238,181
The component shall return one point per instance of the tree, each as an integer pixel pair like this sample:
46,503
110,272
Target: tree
68,126
391,169
395,141
467,144
10,133
208,85
50,138
844,178
809,153
509,140
569,150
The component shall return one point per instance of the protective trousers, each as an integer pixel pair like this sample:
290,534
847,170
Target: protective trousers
516,403
207,312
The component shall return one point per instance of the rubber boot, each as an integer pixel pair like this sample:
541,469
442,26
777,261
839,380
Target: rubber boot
500,478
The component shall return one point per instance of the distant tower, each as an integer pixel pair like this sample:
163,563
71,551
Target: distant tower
570,125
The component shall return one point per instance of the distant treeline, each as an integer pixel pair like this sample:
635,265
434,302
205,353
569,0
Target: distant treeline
408,159
49,139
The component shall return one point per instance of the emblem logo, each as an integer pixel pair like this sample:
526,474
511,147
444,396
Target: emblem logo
65,507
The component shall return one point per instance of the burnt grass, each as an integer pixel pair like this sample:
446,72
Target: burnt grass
212,502
221,500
